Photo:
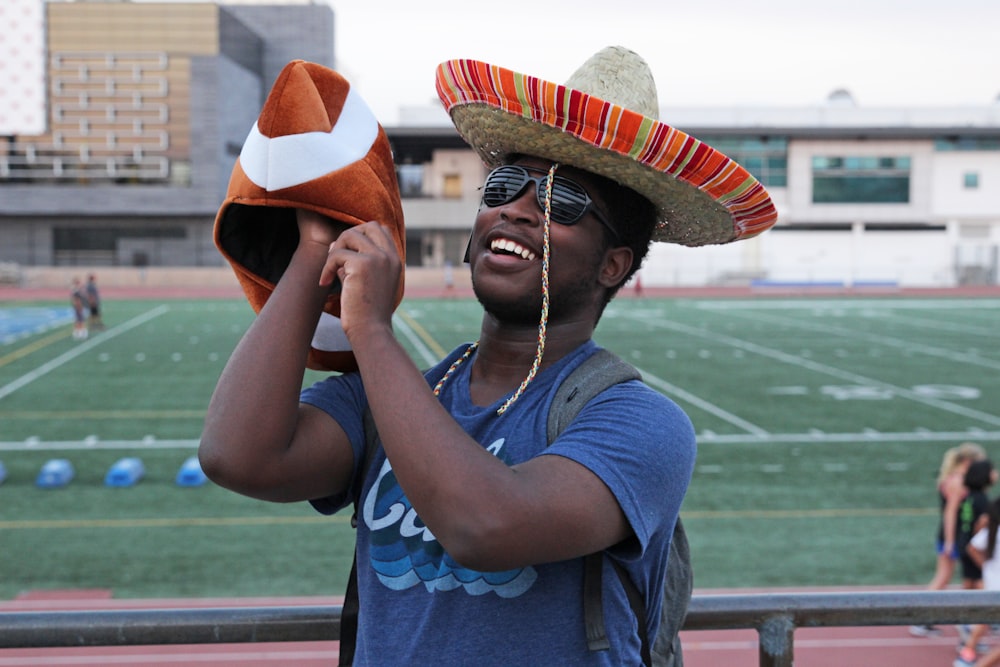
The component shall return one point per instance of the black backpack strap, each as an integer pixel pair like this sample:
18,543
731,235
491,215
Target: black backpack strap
638,606
593,603
349,617
677,589
352,604
599,371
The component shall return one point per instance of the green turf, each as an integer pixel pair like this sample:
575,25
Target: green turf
821,425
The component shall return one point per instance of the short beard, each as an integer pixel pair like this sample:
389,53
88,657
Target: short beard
527,308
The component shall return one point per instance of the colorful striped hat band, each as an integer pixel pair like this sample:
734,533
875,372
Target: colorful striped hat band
604,120
543,321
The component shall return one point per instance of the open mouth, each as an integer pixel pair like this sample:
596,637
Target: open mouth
502,246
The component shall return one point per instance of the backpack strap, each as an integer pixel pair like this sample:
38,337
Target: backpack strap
599,371
678,587
352,604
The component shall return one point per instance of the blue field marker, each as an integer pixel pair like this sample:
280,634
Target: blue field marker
54,474
191,473
17,323
3,472
125,472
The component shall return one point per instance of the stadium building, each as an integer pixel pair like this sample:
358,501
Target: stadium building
146,106
146,109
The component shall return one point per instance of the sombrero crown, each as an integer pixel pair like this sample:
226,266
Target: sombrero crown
605,120
316,146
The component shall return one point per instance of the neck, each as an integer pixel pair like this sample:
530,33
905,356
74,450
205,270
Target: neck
506,354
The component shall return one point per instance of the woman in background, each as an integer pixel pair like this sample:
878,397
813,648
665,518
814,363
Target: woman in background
982,550
952,491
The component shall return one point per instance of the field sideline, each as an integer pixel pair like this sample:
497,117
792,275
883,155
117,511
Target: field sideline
821,424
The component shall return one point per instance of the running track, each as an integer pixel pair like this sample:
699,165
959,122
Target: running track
814,647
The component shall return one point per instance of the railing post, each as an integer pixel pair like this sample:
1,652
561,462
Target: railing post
776,641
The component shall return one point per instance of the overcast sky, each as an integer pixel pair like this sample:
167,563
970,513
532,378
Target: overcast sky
896,53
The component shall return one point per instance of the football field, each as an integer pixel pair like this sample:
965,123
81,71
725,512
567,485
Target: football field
821,424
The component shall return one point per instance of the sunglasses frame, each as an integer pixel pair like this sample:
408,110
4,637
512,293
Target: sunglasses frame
589,206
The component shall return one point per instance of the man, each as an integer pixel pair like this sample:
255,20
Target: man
472,530
95,321
78,300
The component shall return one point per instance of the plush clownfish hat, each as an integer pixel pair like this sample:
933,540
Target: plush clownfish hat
317,146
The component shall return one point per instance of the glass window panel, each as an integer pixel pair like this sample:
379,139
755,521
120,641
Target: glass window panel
861,189
411,180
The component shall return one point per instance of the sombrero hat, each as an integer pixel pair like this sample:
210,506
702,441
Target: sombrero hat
317,146
605,120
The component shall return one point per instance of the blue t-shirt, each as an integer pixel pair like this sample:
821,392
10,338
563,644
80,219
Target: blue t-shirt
419,607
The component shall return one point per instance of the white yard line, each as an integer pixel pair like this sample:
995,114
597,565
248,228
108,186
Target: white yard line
795,360
939,325
68,356
850,438
707,406
905,345
425,353
846,304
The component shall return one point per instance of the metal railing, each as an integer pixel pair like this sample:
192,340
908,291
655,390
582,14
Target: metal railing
774,616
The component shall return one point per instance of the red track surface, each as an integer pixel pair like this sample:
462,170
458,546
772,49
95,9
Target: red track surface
12,294
814,647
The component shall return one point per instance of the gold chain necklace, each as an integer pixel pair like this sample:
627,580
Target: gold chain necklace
543,321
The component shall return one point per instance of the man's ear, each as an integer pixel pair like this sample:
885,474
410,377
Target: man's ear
617,263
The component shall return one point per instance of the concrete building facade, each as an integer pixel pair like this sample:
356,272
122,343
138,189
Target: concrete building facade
149,104
866,197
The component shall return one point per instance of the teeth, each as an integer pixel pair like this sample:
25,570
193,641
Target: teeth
509,246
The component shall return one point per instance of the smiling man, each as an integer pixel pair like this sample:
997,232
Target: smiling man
473,529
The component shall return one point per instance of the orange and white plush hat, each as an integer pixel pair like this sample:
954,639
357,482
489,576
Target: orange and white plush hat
604,120
317,146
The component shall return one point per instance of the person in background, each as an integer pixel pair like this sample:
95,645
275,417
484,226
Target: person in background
94,322
951,491
78,299
979,477
982,549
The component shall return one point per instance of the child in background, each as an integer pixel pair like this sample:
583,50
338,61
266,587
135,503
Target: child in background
79,302
982,550
979,477
952,491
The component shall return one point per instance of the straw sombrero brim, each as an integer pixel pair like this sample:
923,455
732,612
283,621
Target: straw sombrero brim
703,196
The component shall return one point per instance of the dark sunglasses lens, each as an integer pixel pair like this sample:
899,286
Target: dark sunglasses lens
569,201
503,184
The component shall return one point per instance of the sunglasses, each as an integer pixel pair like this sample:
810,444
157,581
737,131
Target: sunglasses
570,201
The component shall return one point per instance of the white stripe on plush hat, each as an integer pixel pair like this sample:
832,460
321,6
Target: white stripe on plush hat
275,163
329,335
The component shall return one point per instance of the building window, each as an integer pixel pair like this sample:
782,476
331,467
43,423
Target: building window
860,180
970,180
967,144
766,158
452,186
411,180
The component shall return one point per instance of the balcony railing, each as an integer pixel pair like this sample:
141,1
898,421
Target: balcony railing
775,617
